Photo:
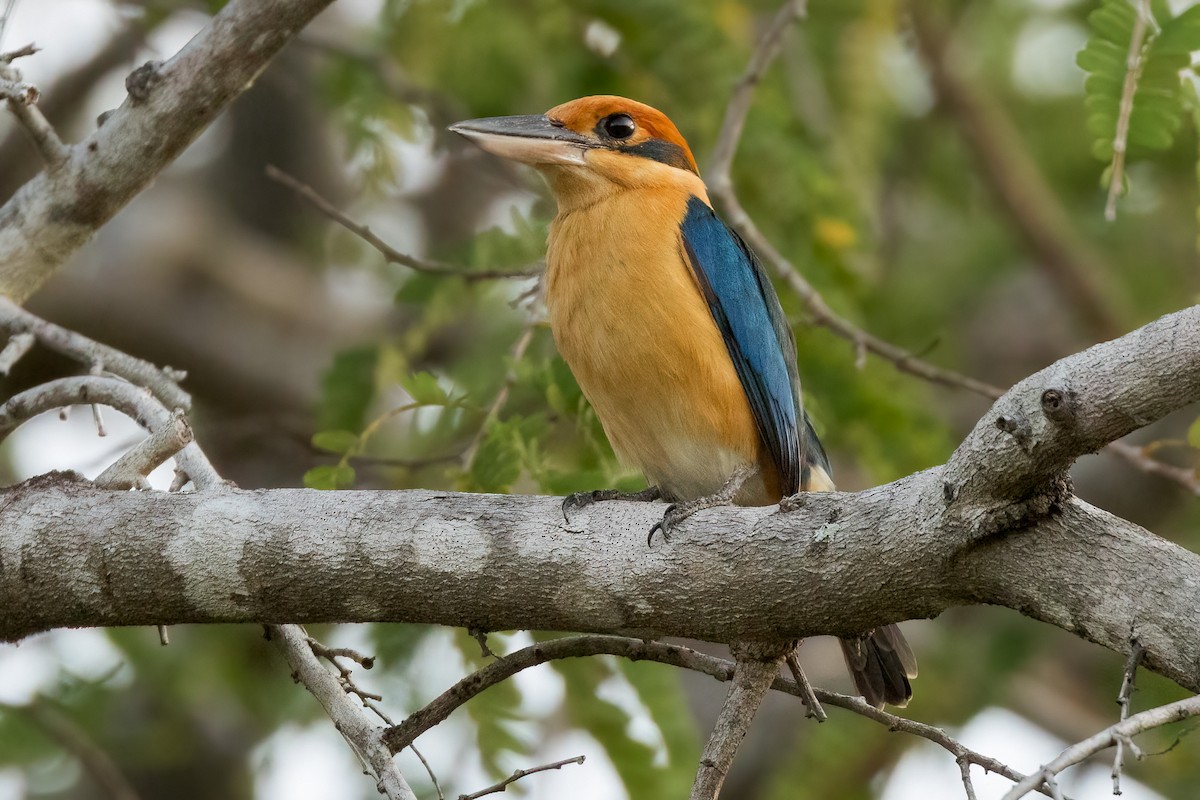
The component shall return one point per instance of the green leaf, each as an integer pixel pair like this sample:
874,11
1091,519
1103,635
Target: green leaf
425,389
347,389
1114,21
340,442
331,476
1180,35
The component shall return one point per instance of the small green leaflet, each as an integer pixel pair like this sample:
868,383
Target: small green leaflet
333,476
425,389
1159,101
340,442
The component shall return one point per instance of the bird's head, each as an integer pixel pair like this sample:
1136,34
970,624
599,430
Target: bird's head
591,146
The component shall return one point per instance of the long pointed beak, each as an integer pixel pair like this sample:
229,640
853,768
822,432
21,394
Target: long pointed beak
531,139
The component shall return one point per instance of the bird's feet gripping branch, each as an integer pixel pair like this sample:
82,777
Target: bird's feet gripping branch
580,500
678,512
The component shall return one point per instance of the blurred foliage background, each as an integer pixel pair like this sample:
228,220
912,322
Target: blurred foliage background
935,170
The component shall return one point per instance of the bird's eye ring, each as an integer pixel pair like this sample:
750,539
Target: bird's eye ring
618,126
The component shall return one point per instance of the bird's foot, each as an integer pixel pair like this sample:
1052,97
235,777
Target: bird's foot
678,512
580,500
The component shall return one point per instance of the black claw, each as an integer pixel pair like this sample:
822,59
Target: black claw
576,501
664,526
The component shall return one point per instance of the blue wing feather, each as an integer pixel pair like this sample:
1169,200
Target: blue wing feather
760,343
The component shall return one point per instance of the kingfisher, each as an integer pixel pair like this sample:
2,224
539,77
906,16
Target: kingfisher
673,330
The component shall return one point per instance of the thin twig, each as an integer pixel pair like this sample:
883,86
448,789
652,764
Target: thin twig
163,382
502,786
1137,457
348,718
1128,684
390,253
133,401
1133,71
9,7
143,459
402,735
1128,728
437,787
809,698
964,766
18,345
22,99
20,52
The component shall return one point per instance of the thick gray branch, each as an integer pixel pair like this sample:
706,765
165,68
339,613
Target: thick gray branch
974,531
73,555
168,106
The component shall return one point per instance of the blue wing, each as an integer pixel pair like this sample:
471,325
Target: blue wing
760,343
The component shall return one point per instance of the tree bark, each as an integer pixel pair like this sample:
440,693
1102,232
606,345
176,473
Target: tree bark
997,525
168,106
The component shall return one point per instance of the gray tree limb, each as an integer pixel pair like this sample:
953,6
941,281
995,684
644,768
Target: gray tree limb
168,106
995,525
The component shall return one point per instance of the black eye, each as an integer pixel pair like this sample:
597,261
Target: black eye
618,126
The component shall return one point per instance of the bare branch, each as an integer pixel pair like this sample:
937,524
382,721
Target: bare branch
755,669
18,345
672,655
810,699
437,787
1137,457
22,99
502,786
57,212
964,766
743,92
163,382
350,721
131,469
390,253
1076,753
1128,683
20,52
131,400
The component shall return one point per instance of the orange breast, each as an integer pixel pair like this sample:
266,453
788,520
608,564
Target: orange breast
632,324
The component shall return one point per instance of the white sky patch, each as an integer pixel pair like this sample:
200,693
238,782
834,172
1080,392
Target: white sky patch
1043,60
12,784
297,763
617,690
927,772
36,663
64,45
47,442
601,38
